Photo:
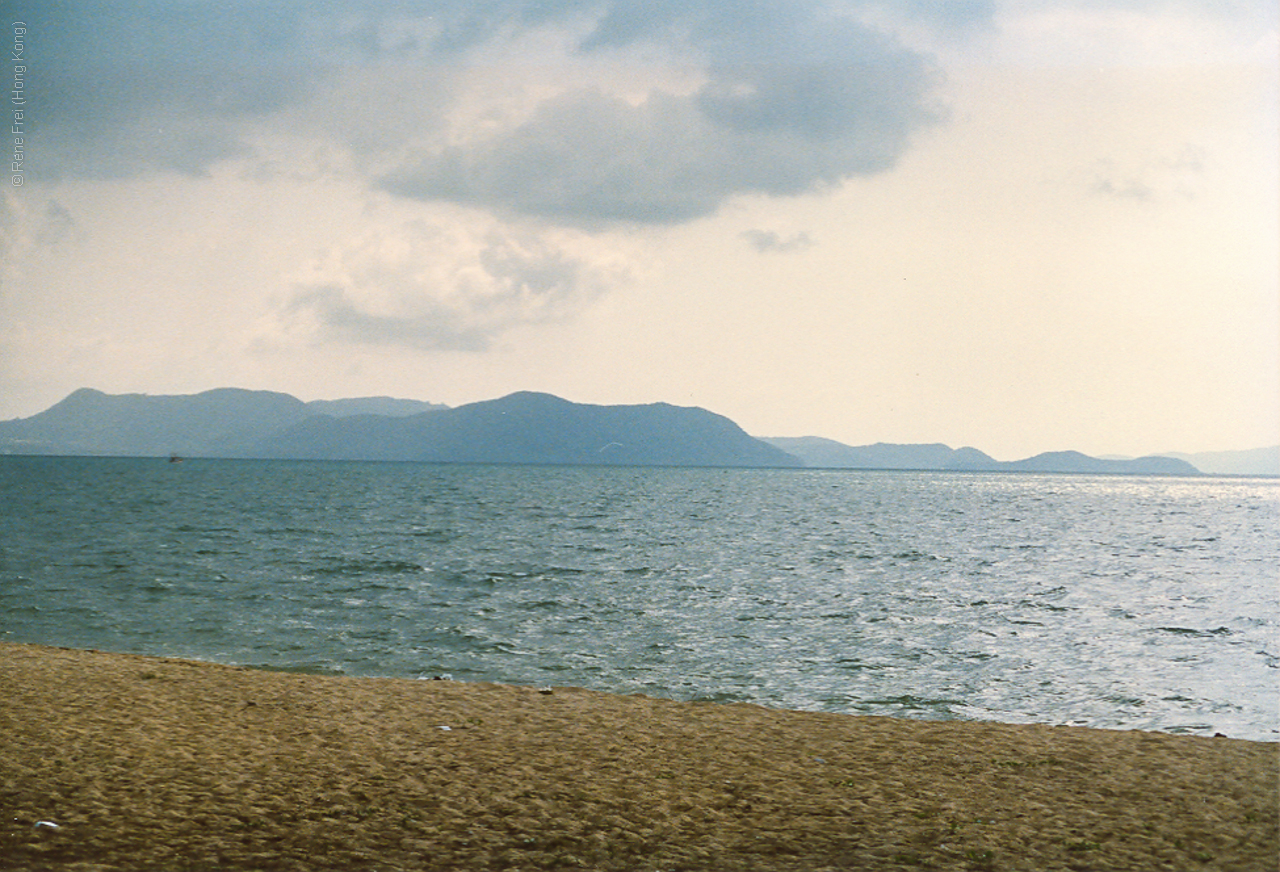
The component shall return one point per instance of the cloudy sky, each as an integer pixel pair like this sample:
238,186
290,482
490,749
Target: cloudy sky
1022,225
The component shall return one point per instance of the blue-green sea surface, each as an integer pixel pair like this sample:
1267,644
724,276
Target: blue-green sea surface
1103,601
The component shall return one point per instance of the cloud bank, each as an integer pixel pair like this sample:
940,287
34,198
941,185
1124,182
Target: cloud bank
436,285
792,102
781,98
536,118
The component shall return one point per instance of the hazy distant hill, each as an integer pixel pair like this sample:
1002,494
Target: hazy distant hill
389,406
818,452
532,428
827,453
211,424
521,428
141,425
1256,461
1074,461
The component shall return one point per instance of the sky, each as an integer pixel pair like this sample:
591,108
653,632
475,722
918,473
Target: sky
1018,225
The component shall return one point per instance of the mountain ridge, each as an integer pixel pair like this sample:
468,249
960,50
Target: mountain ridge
827,453
523,427
529,427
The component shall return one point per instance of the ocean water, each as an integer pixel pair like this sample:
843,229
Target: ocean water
1104,601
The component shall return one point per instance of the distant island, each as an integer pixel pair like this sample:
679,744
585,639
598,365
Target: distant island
521,428
829,454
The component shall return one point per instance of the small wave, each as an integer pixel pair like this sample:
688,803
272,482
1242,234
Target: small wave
913,554
538,605
1123,700
1048,607
370,567
722,696
1200,729
457,640
563,571
437,537
1194,633
499,577
1053,591
914,703
855,665
295,531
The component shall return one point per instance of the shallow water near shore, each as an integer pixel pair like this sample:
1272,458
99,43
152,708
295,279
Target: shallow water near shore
1101,601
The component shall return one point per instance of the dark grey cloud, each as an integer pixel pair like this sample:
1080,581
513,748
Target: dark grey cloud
951,15
729,22
587,158
794,101
120,89
797,96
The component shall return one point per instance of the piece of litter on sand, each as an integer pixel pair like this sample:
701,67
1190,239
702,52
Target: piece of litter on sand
47,825
443,727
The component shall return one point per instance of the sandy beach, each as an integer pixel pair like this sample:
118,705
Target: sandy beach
112,761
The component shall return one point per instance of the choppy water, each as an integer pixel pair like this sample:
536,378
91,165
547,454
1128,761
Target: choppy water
1106,601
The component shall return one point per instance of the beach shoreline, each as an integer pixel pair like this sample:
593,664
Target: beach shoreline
122,762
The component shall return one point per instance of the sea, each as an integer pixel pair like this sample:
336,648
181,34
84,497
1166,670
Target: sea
1106,601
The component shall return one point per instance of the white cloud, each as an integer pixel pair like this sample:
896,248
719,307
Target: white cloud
770,240
1135,33
453,284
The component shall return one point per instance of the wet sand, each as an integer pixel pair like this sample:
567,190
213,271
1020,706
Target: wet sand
164,764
